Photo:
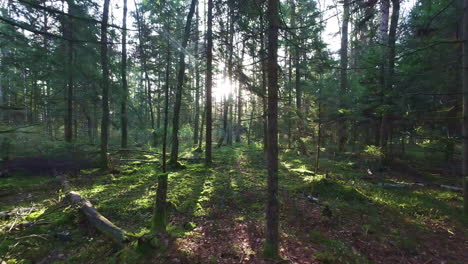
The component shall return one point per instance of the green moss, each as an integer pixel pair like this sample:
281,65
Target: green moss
271,250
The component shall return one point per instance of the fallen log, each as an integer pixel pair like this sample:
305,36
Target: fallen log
101,223
140,160
402,185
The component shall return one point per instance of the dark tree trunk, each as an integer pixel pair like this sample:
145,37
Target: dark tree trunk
180,83
272,210
124,117
391,61
465,107
209,83
105,85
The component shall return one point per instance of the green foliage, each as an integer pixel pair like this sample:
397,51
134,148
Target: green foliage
373,152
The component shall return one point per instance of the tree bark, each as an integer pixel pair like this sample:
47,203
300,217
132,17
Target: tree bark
105,85
272,210
180,83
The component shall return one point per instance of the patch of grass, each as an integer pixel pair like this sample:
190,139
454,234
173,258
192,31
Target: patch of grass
335,251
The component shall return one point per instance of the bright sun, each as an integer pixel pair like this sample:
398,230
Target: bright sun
222,87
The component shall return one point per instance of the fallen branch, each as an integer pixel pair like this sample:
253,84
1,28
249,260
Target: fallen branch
29,224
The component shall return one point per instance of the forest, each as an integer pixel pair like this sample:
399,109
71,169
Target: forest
233,131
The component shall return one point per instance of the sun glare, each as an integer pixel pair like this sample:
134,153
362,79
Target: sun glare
222,88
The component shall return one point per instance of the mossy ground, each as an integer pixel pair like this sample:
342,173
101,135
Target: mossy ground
216,214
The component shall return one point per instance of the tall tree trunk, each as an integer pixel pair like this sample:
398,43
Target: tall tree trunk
230,66
343,74
272,210
147,80
264,85
290,96
160,213
197,81
69,96
239,104
124,78
297,83
383,36
209,83
390,71
105,85
252,113
465,106
180,84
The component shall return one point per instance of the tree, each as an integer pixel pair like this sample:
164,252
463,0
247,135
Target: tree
209,83
68,33
343,73
124,116
180,83
271,246
465,106
197,80
105,85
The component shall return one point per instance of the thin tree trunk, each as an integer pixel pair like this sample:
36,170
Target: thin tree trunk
197,81
239,104
69,97
249,136
145,72
105,85
200,140
264,85
272,210
383,36
160,213
343,74
180,83
124,117
209,83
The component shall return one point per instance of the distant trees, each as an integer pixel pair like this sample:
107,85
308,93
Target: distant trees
394,82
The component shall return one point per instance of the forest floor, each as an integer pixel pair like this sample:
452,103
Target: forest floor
343,215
